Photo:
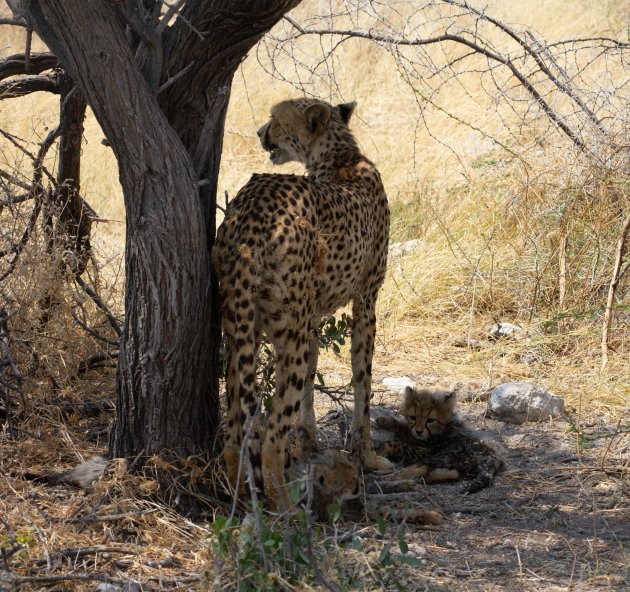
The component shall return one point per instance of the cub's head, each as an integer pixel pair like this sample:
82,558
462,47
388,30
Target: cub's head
336,479
299,127
428,412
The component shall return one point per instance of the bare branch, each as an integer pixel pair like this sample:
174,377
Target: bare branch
18,22
16,64
448,37
99,302
12,89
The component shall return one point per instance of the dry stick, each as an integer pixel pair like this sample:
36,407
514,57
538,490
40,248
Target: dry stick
97,300
621,247
77,553
104,517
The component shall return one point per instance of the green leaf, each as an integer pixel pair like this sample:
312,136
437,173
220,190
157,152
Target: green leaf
403,546
409,560
380,524
334,512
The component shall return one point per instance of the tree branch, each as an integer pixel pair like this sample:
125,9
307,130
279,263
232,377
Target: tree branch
12,89
448,37
37,63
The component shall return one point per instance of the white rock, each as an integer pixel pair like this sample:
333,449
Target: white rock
404,248
518,402
502,330
398,384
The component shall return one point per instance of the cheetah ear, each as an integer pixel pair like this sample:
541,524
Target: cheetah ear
449,398
317,117
346,110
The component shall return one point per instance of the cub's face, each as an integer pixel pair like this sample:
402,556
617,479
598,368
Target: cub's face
428,412
336,478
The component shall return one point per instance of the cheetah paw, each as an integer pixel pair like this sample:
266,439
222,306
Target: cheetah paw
377,463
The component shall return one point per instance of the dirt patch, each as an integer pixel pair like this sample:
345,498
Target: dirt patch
558,518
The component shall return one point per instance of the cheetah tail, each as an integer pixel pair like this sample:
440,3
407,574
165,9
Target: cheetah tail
245,331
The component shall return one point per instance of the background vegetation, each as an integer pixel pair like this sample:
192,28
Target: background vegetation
510,223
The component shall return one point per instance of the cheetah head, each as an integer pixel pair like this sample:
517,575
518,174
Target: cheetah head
428,412
299,126
336,479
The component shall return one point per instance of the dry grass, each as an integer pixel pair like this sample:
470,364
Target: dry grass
490,230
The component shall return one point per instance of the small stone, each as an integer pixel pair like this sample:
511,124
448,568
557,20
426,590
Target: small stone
529,357
503,330
397,250
518,402
398,384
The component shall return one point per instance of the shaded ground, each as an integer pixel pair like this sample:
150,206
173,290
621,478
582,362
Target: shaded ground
557,519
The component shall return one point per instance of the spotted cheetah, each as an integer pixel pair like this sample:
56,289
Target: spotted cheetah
434,438
290,250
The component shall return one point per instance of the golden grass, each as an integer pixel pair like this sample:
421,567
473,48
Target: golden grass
487,226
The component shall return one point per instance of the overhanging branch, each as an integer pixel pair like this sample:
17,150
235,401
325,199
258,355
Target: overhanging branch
448,37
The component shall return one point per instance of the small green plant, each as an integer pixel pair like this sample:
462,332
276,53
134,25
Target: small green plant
268,553
385,567
583,441
333,333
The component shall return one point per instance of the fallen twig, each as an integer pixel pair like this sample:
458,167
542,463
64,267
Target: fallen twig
104,517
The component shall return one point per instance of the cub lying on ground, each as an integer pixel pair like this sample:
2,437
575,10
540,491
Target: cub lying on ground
434,436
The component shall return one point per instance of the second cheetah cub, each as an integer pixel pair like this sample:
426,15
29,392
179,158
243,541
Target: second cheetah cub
433,435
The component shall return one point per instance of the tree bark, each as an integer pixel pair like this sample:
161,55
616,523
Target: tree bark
163,399
167,382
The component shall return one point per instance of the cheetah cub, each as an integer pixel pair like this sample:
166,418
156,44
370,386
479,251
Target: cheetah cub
433,435
334,479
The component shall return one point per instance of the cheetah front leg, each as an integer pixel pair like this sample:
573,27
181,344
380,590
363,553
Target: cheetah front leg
361,352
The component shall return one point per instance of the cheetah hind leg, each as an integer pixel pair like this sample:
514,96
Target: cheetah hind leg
307,430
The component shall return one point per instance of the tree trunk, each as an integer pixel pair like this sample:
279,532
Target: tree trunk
168,366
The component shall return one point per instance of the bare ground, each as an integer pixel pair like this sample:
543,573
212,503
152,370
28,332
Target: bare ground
557,519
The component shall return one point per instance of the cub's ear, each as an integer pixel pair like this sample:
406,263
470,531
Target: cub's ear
346,110
449,398
409,395
317,117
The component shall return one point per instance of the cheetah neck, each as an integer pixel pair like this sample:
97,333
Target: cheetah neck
334,164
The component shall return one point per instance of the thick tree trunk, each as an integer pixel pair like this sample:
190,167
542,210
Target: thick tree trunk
168,371
163,397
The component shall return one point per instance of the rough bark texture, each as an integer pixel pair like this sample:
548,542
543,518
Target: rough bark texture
168,371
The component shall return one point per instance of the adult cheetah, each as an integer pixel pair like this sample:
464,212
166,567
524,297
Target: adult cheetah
291,249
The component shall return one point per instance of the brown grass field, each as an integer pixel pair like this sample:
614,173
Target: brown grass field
525,236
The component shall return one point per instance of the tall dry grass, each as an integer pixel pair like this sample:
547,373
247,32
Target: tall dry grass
490,226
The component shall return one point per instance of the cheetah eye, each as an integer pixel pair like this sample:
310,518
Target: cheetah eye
321,479
411,418
430,420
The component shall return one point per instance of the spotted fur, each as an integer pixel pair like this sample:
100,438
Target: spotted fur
290,250
433,437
